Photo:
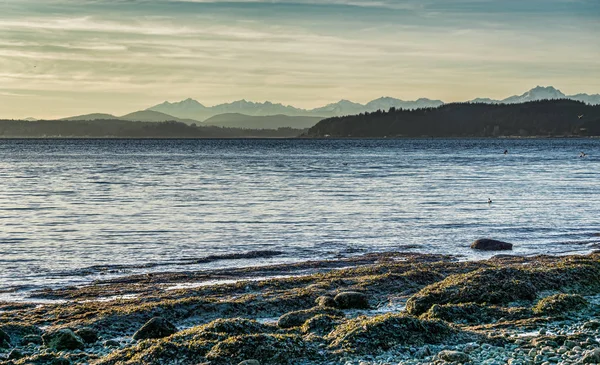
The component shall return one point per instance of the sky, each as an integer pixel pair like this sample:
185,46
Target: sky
61,58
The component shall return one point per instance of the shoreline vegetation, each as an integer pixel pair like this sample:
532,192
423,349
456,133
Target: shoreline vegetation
380,308
536,119
121,129
545,118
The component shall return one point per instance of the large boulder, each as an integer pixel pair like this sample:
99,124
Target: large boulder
351,300
63,339
486,244
157,327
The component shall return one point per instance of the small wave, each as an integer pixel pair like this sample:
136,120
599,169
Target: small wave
259,254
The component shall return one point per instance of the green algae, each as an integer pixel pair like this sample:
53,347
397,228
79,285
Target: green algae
320,324
368,334
503,285
266,348
559,304
472,313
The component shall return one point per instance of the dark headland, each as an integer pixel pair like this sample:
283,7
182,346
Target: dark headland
388,308
546,118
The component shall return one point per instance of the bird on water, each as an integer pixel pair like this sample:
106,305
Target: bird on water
489,201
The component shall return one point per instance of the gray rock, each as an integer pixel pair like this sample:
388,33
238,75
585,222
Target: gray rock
325,301
486,244
88,335
111,343
351,300
453,356
157,327
250,362
63,339
591,357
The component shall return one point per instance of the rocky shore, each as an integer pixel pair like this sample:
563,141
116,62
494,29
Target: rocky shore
388,308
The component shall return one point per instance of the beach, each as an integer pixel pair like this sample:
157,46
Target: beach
381,308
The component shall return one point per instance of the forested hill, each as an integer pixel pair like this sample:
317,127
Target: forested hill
127,129
537,118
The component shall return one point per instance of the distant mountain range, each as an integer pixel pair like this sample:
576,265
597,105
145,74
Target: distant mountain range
541,93
141,116
252,115
192,109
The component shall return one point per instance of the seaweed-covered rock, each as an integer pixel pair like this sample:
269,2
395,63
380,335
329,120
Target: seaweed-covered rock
486,244
4,339
88,335
157,327
61,361
325,301
15,354
367,334
111,343
560,303
320,324
351,300
297,318
250,362
34,339
591,357
453,356
269,349
63,339
16,332
473,313
187,346
591,325
492,286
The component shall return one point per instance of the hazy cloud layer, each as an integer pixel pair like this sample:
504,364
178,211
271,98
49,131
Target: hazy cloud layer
66,57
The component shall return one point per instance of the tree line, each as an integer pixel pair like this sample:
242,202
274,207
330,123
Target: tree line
128,129
562,117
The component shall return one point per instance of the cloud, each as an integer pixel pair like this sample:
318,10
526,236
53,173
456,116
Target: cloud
121,53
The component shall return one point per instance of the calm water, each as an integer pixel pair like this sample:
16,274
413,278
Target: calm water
78,210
